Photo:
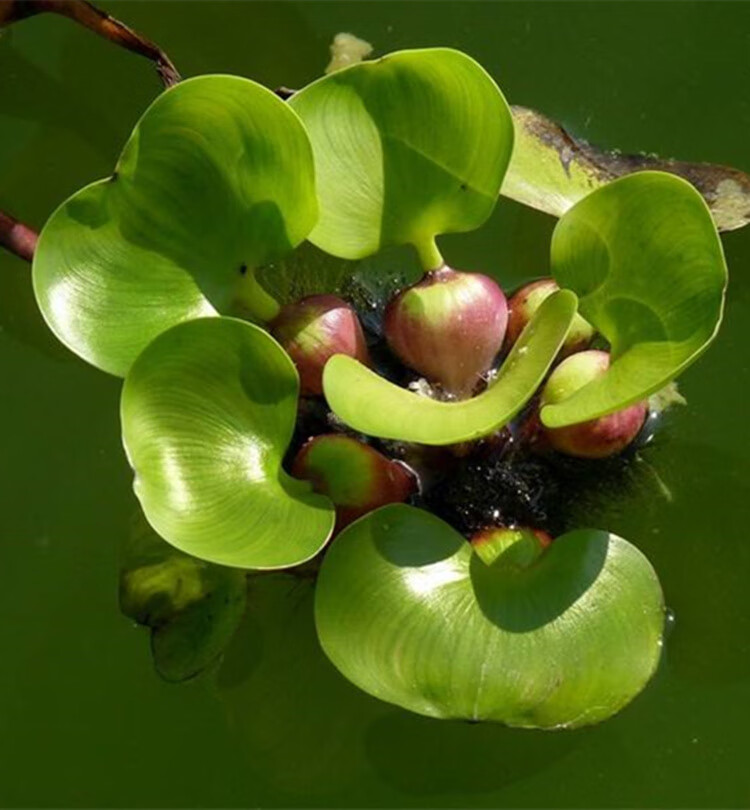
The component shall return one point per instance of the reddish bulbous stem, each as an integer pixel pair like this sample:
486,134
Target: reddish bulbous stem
449,327
515,547
525,302
596,438
356,477
313,330
599,438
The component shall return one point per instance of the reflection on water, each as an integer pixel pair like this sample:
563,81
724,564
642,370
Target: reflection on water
457,757
302,725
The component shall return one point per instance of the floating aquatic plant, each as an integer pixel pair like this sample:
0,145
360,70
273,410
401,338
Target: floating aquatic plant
163,274
550,637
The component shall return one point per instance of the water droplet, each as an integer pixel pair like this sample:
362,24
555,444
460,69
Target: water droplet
669,621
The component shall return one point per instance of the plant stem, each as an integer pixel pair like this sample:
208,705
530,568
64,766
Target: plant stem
429,255
17,237
97,21
252,301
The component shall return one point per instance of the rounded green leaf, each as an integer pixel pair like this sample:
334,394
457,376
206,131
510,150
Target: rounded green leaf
408,612
645,260
406,147
372,405
216,179
207,411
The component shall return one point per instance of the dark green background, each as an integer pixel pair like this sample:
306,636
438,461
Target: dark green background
84,721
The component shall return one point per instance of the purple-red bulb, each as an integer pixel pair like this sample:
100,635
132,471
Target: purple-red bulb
597,438
353,475
514,546
527,300
313,330
449,327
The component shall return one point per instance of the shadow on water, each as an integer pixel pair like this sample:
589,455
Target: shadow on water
300,723
447,757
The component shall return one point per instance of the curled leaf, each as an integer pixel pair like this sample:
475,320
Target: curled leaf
208,410
372,405
666,397
216,180
643,255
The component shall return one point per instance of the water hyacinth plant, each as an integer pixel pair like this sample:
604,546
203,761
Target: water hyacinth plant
268,435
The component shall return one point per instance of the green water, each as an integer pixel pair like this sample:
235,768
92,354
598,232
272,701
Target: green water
84,721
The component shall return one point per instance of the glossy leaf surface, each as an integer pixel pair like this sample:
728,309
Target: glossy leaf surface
406,147
216,179
375,406
192,607
645,259
407,611
208,410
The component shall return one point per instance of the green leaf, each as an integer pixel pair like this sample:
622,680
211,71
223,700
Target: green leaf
551,170
192,607
216,180
208,410
406,147
372,405
645,260
408,612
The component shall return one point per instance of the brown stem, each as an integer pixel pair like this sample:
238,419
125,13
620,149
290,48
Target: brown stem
97,21
17,237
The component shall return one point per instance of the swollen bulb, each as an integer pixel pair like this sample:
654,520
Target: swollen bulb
449,327
313,330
